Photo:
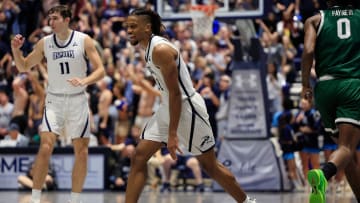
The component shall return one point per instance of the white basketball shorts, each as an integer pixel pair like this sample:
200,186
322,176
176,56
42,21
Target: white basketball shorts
194,130
67,115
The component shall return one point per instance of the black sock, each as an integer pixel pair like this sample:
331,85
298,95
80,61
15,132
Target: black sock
329,170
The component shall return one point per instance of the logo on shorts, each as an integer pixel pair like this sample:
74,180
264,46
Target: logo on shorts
205,140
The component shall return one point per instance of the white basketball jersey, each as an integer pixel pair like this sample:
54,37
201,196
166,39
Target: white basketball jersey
185,83
65,62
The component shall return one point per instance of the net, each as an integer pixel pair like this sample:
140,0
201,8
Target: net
202,17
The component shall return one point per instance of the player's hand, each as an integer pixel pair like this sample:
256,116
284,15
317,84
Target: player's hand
102,125
17,41
173,145
76,82
307,94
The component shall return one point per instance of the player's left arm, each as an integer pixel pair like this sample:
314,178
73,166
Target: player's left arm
98,70
165,58
308,54
97,65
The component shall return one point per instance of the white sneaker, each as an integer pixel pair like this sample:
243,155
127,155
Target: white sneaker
250,200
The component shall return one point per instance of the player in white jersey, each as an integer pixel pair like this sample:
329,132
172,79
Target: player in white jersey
66,108
182,116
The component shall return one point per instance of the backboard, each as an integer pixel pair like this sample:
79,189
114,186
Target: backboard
180,9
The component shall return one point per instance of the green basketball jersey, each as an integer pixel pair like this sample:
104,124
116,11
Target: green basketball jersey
337,51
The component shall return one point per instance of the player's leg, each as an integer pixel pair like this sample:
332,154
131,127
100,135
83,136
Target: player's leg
78,129
352,172
138,170
80,163
349,136
41,165
339,159
348,139
221,175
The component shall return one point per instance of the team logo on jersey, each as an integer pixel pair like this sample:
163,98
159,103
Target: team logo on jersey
205,140
63,54
75,44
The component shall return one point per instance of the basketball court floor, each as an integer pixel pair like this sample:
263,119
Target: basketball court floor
174,197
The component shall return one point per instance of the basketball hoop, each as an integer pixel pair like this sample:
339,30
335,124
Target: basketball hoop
202,17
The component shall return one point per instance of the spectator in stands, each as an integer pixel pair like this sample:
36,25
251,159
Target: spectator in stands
122,124
26,181
224,40
271,46
288,145
308,8
200,66
14,137
6,109
288,65
117,164
222,113
5,61
21,100
6,19
188,161
106,36
210,92
215,59
274,82
105,128
183,39
307,122
36,103
144,86
40,32
115,14
290,26
154,170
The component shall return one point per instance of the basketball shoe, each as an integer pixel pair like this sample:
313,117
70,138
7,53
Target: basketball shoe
249,200
318,185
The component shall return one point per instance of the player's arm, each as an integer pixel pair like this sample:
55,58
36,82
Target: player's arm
97,65
165,57
308,54
23,64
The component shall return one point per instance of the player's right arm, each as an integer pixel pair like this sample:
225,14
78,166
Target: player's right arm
23,64
308,54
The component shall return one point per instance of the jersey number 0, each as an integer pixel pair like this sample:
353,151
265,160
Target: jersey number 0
343,28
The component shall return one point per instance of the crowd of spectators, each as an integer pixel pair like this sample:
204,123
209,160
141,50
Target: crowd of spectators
124,100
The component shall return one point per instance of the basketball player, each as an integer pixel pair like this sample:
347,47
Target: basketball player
332,39
180,118
66,108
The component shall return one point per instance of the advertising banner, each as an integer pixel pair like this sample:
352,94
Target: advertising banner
254,164
247,113
13,165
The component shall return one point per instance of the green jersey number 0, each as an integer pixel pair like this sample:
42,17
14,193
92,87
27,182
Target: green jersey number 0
343,28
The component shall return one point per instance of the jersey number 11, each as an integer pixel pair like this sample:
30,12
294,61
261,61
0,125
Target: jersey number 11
64,67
